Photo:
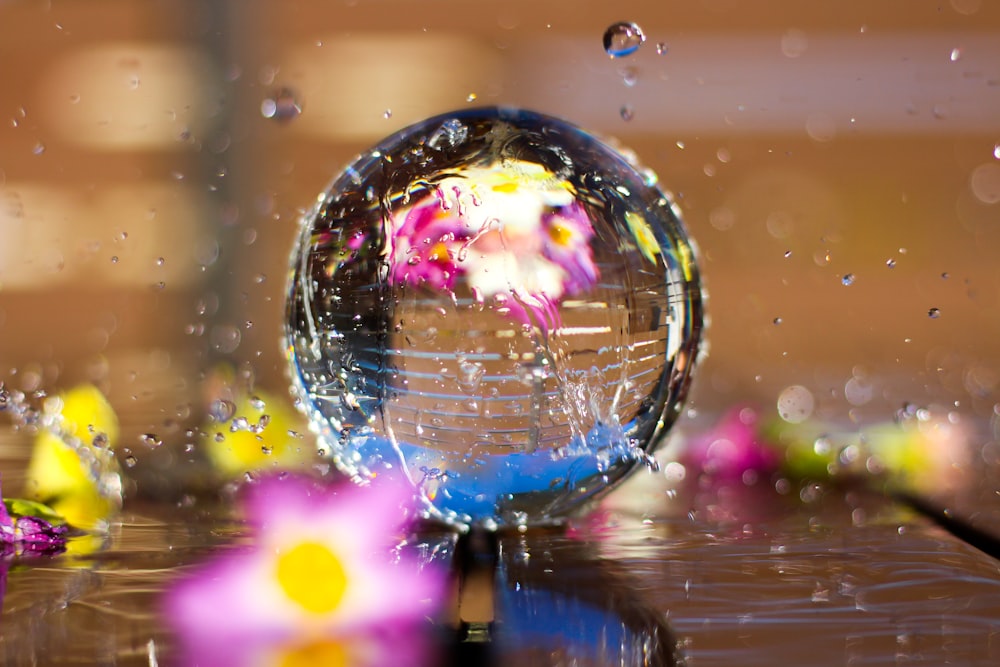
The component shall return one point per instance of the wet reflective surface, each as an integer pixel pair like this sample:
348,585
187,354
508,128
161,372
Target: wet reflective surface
704,574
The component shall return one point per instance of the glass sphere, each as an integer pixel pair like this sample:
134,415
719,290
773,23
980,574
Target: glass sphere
497,305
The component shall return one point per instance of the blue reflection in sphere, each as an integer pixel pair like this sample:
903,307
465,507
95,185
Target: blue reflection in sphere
500,307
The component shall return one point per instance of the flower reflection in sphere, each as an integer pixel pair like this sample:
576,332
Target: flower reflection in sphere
497,305
319,581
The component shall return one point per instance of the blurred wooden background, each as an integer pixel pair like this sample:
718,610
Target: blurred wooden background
838,164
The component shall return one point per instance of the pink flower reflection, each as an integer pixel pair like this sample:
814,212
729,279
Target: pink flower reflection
318,583
513,234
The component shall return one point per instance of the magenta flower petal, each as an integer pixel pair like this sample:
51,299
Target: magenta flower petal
321,570
734,446
31,533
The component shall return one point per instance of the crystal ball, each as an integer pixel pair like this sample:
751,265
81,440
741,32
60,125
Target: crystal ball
498,306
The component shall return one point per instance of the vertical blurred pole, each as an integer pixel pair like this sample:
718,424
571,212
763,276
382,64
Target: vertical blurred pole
108,204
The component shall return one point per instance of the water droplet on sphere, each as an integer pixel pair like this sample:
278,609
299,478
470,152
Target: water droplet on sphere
622,39
282,105
496,358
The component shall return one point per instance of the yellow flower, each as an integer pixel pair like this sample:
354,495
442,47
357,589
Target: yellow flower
644,237
252,433
73,469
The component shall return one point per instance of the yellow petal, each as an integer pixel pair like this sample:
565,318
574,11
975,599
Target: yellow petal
66,471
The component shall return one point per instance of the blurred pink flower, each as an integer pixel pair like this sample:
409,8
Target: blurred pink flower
317,586
734,446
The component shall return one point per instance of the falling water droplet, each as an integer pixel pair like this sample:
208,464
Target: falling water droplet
630,76
662,48
848,279
788,253
622,39
891,263
283,106
627,112
956,54
387,114
778,320
934,313
996,151
38,149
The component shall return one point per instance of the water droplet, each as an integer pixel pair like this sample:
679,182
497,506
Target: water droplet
662,48
627,112
847,279
891,263
283,106
934,313
160,261
257,402
996,151
387,114
38,148
130,461
471,97
150,440
778,320
944,275
956,54
794,43
222,410
788,253
630,76
114,259
622,39
985,183
795,404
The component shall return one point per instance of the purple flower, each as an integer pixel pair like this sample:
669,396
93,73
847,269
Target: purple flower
26,533
318,582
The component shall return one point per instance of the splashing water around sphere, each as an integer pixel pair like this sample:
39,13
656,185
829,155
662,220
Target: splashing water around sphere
498,306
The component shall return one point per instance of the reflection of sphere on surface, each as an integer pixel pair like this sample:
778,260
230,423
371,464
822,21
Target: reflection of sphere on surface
497,305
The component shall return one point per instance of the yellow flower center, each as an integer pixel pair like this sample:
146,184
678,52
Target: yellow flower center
326,653
560,234
506,187
439,253
312,576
